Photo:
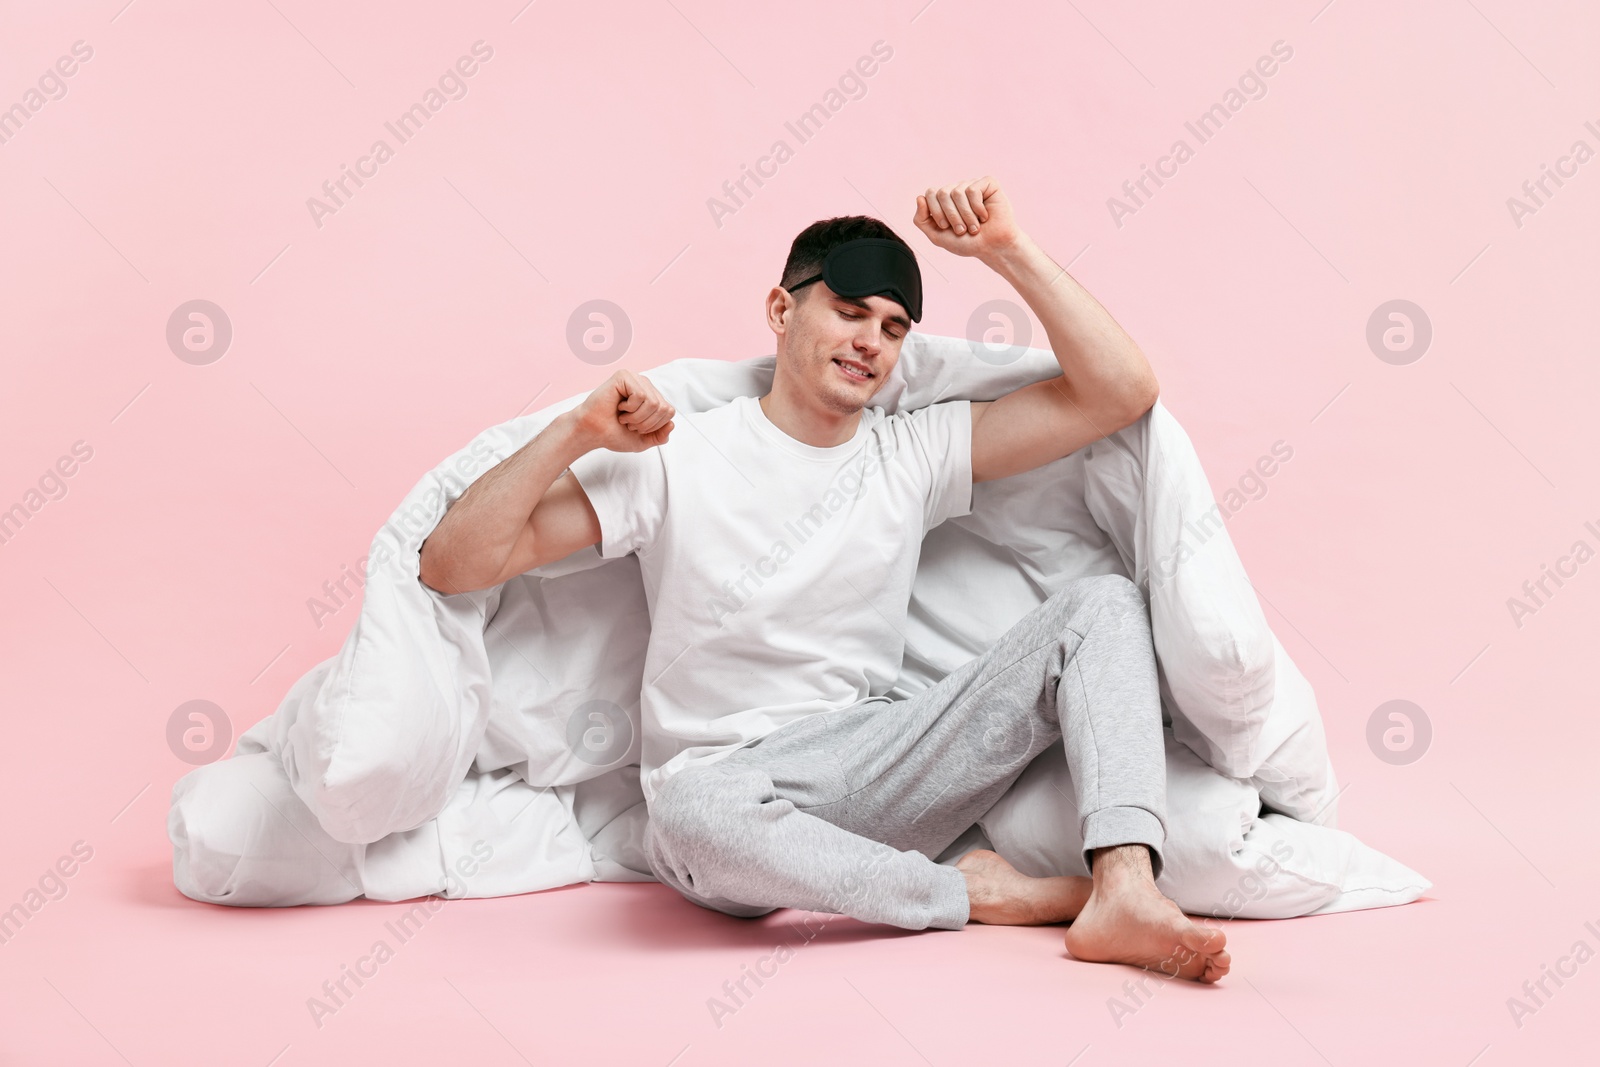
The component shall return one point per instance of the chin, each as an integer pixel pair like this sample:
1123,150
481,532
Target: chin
844,401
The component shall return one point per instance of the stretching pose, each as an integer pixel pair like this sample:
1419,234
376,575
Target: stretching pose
778,537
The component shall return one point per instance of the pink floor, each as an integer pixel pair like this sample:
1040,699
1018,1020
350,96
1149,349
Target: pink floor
123,969
212,495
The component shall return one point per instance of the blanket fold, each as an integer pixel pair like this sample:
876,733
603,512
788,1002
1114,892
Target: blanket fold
537,681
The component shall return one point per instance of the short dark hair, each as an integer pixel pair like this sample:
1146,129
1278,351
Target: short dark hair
815,242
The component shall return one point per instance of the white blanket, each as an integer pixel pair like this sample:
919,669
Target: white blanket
505,721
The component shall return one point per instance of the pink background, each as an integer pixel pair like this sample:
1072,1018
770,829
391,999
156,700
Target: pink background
434,303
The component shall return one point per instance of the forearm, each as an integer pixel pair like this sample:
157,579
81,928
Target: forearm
475,538
1102,366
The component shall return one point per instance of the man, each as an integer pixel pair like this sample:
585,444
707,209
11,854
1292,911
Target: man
778,537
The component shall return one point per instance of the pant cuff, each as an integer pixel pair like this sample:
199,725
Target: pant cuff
950,907
1124,826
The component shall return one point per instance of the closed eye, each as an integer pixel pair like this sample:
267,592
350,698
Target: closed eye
889,333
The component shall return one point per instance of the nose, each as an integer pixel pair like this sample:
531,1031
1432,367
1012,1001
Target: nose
869,339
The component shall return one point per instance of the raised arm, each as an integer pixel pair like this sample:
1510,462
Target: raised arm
1106,383
522,513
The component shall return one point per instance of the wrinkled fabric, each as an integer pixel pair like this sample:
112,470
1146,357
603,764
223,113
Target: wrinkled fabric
435,703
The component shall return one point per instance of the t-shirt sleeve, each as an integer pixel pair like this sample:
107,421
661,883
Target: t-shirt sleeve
629,493
945,433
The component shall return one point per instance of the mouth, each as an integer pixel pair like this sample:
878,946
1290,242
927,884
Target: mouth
854,371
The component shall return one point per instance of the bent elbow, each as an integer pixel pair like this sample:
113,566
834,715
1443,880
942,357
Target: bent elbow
1140,401
432,572
1130,409
1145,396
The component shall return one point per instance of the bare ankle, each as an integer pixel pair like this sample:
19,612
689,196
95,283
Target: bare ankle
1121,863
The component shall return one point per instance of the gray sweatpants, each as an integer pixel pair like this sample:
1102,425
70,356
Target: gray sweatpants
844,811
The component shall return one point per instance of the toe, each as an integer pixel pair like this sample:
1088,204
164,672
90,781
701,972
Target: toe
1203,939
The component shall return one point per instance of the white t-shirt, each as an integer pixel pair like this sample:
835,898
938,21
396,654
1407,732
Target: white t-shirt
777,573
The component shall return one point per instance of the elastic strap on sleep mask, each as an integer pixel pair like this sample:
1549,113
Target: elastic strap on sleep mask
873,266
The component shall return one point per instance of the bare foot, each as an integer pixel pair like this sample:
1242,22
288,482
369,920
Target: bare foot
1128,920
1001,895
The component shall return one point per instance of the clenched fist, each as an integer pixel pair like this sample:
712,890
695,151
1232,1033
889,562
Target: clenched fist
967,218
626,414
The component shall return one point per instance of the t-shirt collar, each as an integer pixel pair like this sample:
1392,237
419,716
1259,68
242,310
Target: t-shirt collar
772,432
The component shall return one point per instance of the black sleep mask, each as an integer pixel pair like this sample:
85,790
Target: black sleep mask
873,266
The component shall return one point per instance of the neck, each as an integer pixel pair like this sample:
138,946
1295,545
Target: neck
804,418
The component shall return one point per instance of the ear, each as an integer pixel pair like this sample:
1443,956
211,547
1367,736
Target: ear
780,309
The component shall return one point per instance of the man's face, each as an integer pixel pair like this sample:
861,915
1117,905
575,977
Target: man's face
818,330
